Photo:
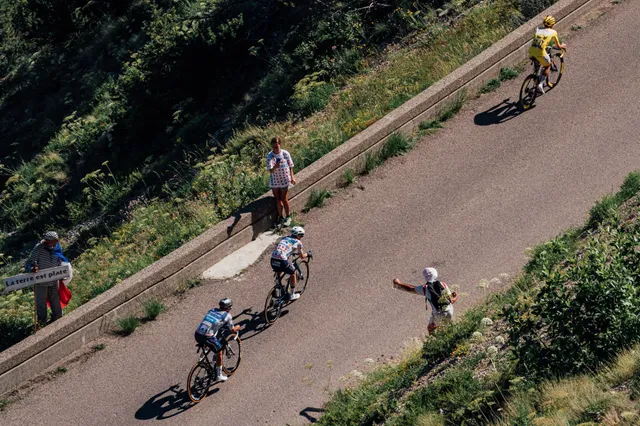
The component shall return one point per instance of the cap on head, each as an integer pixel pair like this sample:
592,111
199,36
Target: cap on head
225,304
430,274
51,236
297,231
549,21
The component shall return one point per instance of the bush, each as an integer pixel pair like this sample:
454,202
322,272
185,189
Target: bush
153,308
491,85
397,144
127,324
588,307
349,177
371,161
317,199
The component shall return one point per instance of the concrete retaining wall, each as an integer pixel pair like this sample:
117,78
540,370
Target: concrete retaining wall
40,351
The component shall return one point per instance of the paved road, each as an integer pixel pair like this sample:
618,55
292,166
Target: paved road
468,200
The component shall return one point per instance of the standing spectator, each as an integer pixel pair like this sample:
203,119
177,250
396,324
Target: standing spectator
280,165
437,294
44,256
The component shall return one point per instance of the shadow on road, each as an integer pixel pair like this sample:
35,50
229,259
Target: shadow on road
254,324
312,419
166,404
497,114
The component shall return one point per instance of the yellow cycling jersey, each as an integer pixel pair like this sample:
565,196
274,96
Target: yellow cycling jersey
541,40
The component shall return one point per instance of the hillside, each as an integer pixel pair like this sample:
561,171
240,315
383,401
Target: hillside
551,350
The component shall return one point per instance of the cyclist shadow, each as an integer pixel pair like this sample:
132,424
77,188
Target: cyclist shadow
167,404
311,418
497,114
254,324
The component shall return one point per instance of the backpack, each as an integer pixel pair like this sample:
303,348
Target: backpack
436,291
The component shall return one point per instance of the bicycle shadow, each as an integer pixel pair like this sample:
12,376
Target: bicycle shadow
312,419
167,404
497,114
255,324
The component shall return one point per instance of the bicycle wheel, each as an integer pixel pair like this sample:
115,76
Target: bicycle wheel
273,305
557,68
302,276
231,356
528,92
199,380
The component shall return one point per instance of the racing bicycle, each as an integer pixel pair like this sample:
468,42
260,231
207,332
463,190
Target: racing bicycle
529,89
279,294
203,373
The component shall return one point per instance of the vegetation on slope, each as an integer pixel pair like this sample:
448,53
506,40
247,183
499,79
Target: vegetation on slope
544,352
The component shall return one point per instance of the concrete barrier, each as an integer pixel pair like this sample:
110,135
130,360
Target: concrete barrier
35,354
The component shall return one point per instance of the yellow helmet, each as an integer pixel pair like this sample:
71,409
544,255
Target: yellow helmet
549,21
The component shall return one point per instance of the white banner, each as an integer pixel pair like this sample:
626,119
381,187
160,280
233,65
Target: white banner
33,278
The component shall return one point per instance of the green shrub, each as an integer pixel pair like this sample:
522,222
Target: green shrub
606,209
450,110
98,347
371,161
588,307
491,85
153,308
508,73
349,177
317,199
430,125
128,324
396,144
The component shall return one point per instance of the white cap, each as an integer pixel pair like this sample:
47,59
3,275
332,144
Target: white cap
430,274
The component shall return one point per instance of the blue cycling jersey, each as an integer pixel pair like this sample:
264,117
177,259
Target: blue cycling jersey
214,321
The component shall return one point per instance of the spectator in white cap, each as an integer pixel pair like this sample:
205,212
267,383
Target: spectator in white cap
43,256
436,293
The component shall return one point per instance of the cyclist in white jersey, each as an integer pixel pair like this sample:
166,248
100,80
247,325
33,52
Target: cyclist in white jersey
216,320
280,257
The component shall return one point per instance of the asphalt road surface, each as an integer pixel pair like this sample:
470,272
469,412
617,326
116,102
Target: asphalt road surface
468,200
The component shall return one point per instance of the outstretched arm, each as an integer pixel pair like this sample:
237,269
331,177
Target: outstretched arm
404,286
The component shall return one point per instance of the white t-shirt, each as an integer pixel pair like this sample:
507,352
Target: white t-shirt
281,176
286,247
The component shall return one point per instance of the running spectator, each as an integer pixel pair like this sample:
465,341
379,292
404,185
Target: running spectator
436,294
280,166
43,256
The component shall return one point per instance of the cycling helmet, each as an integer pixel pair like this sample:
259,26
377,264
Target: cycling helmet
549,21
297,231
51,236
430,274
225,304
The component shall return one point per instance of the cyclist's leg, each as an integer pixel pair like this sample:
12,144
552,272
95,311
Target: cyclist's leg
291,271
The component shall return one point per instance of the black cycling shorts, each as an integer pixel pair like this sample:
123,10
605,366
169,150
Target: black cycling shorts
285,266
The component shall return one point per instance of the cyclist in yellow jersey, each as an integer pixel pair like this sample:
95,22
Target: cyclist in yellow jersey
538,49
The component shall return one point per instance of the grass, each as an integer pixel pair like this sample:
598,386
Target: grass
607,208
494,84
491,85
153,308
599,398
349,177
317,199
127,325
395,145
3,404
